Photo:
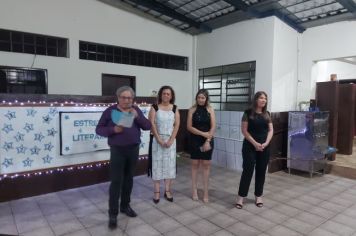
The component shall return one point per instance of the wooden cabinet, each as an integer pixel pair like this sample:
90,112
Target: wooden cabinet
339,99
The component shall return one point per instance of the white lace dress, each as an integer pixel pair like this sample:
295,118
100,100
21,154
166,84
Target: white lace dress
164,159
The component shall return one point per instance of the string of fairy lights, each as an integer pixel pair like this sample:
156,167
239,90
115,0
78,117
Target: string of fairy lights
57,170
60,104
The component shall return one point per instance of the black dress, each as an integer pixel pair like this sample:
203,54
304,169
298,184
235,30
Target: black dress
200,121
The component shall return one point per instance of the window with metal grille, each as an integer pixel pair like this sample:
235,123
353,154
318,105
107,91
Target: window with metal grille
129,56
231,87
15,41
23,80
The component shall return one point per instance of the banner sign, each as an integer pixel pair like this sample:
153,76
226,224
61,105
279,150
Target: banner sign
33,138
77,132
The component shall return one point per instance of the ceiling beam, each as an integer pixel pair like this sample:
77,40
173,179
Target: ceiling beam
347,16
286,19
349,5
240,5
252,11
163,9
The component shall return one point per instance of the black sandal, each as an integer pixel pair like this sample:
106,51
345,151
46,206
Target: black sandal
170,199
156,200
238,206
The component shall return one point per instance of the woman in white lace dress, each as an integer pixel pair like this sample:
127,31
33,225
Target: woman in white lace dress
164,118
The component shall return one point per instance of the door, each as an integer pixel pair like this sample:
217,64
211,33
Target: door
346,120
110,83
3,82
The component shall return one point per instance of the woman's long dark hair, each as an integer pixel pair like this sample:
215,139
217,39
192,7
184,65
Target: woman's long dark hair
265,114
159,97
205,93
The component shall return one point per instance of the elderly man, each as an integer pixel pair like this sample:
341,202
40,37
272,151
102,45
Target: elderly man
124,150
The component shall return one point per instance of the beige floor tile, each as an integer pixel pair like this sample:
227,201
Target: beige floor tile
181,231
337,228
222,220
298,226
203,227
280,230
242,229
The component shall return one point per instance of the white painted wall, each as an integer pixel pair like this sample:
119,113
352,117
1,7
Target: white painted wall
241,42
323,69
284,67
269,42
331,41
94,21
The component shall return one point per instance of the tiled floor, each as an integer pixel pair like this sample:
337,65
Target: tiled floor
294,205
347,160
344,165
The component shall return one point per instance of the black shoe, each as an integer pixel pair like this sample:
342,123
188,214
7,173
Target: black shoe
112,222
168,198
128,211
156,200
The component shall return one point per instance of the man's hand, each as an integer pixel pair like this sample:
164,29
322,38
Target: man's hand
118,129
134,112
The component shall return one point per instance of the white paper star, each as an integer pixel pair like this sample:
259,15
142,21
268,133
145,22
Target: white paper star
47,159
19,137
7,162
7,146
48,146
28,127
27,162
7,128
21,149
51,132
10,115
39,137
35,150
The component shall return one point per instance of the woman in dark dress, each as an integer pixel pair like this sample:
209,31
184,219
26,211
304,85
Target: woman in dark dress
257,128
201,125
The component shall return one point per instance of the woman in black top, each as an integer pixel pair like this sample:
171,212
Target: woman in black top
201,125
257,129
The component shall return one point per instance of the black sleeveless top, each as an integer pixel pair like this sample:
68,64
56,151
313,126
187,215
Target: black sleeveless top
201,119
257,125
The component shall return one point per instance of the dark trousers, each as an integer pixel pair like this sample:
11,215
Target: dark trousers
122,167
253,160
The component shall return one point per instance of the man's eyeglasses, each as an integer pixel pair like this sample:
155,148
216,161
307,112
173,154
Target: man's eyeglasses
125,98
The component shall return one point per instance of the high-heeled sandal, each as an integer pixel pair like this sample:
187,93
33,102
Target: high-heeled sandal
195,195
156,200
258,204
170,199
239,205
